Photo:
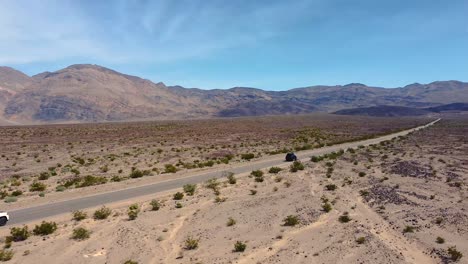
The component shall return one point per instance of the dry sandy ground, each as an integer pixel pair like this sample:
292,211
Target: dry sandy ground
398,195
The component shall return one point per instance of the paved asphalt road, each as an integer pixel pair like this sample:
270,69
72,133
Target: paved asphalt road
42,211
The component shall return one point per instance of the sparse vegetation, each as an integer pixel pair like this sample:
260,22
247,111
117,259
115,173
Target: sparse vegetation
133,211
239,246
178,196
231,222
296,166
275,170
45,228
191,243
155,205
102,213
80,233
19,233
189,189
79,215
344,218
291,220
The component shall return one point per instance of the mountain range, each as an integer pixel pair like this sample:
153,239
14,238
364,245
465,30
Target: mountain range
91,93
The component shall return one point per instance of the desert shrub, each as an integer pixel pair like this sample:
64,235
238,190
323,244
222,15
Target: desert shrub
360,240
102,213
257,173
326,207
239,246
232,179
155,205
104,168
291,220
331,187
231,221
247,156
178,205
45,228
116,178
440,240
10,199
44,176
344,218
287,184
136,174
37,187
91,181
408,229
274,170
454,254
191,243
212,184
364,193
316,158
6,255
296,166
79,215
133,211
220,199
189,189
60,188
253,192
80,233
19,233
439,220
362,174
130,262
259,179
169,168
178,196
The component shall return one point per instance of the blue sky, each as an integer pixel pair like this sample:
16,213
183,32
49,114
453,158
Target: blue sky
274,45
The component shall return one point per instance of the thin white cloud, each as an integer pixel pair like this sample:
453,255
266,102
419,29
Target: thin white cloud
133,31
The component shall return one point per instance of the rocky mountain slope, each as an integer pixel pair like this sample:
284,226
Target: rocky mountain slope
91,93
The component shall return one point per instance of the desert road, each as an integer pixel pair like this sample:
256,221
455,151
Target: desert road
47,210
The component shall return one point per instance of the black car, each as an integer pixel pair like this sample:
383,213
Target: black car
291,157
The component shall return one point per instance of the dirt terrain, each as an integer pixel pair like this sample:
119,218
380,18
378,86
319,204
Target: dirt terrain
402,201
39,160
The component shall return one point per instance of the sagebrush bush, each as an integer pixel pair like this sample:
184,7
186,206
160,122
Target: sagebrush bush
37,187
326,207
291,220
155,205
79,215
231,221
178,196
440,240
6,255
454,254
189,189
296,166
133,211
360,240
80,233
169,168
331,187
257,173
344,218
19,233
45,228
191,243
239,246
232,179
136,174
102,213
408,229
274,170
247,156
